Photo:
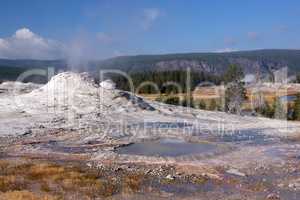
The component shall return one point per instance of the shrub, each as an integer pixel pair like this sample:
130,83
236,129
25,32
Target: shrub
279,110
172,100
213,105
201,105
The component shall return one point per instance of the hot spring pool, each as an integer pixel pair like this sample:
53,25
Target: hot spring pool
166,147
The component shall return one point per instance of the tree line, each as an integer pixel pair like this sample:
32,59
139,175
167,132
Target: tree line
166,81
235,92
235,96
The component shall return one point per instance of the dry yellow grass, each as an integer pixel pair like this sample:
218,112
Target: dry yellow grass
3,165
24,195
207,94
50,181
7,182
132,183
41,171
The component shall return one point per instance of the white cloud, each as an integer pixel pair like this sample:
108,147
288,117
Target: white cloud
3,44
25,44
150,15
225,50
24,33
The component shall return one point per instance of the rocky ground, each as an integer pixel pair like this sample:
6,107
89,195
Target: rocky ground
71,121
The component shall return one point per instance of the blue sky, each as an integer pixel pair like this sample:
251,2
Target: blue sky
106,28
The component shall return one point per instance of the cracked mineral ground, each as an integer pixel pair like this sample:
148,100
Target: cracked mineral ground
72,138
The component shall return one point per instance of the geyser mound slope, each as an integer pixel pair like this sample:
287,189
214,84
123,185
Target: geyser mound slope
73,101
79,93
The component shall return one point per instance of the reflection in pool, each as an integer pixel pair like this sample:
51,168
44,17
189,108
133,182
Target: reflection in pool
288,98
166,147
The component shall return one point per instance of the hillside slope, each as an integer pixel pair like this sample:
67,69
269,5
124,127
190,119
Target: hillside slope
265,61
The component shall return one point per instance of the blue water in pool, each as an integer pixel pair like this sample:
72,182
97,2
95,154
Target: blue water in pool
166,147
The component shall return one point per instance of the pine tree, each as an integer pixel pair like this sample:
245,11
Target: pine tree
279,109
235,92
188,101
267,110
296,113
234,73
172,100
290,111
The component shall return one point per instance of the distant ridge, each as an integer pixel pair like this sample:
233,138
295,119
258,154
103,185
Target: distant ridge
265,61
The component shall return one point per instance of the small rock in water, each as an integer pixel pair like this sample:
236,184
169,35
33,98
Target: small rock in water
235,172
281,185
273,197
212,176
179,173
117,169
294,186
170,177
28,132
89,165
100,166
160,169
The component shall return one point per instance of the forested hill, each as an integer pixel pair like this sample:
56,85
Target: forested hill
265,61
11,69
250,61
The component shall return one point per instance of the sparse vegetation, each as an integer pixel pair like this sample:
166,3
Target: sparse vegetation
235,93
132,183
50,181
201,105
280,111
213,105
265,110
172,100
167,82
296,110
